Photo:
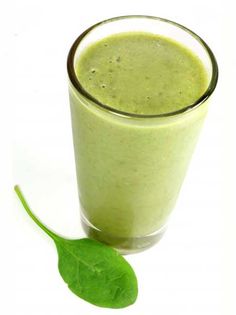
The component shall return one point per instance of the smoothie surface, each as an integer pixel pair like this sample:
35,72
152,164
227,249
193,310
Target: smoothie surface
141,73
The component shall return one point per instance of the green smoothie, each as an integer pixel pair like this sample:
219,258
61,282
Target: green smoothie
130,169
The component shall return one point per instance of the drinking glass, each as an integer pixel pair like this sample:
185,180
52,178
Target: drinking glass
130,167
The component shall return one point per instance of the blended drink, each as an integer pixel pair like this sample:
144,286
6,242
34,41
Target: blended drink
131,153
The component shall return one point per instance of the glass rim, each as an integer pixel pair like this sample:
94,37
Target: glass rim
78,86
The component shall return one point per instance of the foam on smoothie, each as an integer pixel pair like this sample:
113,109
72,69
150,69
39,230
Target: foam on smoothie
141,73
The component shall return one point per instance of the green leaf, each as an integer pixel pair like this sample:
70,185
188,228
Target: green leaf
96,273
93,271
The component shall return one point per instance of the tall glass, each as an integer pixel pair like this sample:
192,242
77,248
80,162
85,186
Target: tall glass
130,167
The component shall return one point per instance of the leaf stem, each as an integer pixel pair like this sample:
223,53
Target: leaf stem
30,213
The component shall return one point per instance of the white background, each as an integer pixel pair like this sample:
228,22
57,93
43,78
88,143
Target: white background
192,270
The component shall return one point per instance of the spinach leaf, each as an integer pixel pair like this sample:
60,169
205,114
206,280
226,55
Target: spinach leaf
93,271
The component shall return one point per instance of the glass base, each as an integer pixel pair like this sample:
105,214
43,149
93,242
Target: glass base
124,245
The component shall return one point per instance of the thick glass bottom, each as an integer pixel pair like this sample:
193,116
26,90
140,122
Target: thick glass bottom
125,245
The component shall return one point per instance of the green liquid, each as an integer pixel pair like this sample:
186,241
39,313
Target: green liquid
130,171
141,73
